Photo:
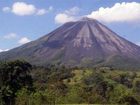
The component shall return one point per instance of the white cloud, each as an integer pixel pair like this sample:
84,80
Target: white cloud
138,43
50,8
21,40
72,11
41,12
6,9
1,50
67,15
44,11
10,36
63,18
24,40
23,9
120,12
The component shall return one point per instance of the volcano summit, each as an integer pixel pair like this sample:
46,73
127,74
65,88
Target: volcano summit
85,43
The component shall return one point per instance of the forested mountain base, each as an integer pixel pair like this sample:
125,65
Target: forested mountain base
61,85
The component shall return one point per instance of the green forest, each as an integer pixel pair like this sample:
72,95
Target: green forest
24,84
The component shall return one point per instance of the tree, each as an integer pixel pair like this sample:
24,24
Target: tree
129,100
13,76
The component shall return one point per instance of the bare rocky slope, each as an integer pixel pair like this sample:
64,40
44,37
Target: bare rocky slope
85,43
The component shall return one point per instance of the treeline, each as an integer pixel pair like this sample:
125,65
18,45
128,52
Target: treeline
22,84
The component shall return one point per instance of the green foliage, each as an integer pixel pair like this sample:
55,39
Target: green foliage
60,85
13,76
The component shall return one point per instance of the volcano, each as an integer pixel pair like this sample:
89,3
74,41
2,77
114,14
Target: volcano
84,43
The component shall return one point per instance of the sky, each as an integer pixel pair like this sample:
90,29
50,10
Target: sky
22,21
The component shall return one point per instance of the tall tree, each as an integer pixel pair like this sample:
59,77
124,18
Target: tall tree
14,76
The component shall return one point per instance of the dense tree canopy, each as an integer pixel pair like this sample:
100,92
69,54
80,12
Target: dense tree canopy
14,76
22,84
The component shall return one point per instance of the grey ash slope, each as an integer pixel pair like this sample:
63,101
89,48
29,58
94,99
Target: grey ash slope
82,43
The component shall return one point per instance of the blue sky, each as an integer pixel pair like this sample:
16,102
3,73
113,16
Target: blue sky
22,21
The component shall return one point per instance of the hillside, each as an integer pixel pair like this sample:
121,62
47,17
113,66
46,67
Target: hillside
84,43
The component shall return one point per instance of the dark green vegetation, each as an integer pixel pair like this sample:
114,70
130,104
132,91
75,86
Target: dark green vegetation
13,77
19,85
